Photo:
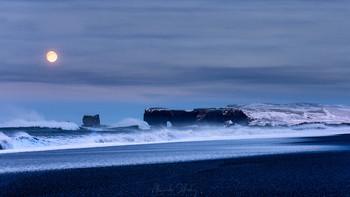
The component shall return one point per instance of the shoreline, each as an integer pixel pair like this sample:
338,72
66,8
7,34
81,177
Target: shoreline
117,144
324,173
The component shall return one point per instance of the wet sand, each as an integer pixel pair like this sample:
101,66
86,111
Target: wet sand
295,174
311,174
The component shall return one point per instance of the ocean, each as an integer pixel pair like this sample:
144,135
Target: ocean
274,129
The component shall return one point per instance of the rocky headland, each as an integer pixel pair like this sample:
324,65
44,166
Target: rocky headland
200,116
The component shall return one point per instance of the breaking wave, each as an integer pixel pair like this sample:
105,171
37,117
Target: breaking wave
18,123
12,117
268,121
129,122
22,141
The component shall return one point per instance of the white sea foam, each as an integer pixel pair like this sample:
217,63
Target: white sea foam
23,142
285,119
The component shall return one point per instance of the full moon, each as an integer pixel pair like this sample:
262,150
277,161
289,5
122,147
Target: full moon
51,56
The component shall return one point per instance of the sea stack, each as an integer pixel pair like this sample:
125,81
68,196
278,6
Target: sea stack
91,120
200,116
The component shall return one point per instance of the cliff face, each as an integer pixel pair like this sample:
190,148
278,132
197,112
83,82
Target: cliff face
91,121
200,116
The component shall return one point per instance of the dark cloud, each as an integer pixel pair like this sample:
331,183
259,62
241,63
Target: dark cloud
180,76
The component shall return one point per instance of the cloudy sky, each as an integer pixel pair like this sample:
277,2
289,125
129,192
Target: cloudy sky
118,57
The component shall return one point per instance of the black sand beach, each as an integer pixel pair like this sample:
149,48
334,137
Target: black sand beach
307,174
174,98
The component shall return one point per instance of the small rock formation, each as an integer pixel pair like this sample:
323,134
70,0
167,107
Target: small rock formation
207,116
91,120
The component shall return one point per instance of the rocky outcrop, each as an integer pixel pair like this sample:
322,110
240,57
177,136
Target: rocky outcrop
91,121
200,116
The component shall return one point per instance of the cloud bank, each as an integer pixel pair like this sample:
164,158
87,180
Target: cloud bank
272,50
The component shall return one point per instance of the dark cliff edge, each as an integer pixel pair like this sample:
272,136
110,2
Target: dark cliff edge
200,116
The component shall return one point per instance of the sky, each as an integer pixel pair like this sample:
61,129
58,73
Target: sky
116,58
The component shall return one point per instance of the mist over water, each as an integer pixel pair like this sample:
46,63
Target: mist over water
297,113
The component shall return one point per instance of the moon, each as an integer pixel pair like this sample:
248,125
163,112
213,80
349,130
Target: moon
51,56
